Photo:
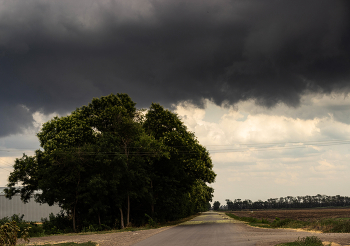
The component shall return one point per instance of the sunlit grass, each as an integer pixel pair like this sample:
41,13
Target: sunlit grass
325,225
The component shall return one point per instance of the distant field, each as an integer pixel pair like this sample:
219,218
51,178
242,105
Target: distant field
300,214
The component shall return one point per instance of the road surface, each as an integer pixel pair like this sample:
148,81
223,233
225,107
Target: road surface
212,228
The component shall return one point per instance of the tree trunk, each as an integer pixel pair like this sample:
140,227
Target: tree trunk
99,219
121,218
128,214
75,204
74,226
152,199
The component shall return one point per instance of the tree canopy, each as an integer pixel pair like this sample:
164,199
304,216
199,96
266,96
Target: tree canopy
109,161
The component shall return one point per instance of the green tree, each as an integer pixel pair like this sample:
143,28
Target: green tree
119,125
216,205
187,168
60,171
105,160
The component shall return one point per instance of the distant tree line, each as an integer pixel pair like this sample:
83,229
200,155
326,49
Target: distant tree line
290,202
109,163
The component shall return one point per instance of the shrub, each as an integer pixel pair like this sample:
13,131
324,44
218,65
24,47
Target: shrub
31,228
280,223
57,224
342,226
310,241
151,222
265,221
94,227
9,233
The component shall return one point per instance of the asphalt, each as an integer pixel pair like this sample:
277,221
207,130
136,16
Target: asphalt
212,228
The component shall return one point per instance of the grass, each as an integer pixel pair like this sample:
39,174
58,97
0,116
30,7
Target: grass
67,244
147,227
324,225
126,229
159,225
306,241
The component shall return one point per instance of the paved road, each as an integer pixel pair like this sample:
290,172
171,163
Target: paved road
212,228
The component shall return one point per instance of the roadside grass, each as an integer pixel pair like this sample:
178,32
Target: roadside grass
146,227
306,241
324,225
66,244
126,229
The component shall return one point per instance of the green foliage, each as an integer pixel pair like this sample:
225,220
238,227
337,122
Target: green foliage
340,226
306,241
216,205
264,221
56,224
95,227
178,179
324,225
280,223
25,227
9,234
151,222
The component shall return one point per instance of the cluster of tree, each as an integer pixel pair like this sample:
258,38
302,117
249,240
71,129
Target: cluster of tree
109,163
290,202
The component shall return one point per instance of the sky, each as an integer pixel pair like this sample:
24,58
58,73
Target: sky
264,85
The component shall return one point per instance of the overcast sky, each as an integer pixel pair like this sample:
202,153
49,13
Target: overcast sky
263,84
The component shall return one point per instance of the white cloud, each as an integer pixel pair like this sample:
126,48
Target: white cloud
294,166
13,146
41,118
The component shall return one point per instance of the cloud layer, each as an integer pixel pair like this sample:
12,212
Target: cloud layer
58,55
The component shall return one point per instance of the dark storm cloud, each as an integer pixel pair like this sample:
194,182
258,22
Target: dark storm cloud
57,55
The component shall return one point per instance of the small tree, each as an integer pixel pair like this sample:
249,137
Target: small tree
216,205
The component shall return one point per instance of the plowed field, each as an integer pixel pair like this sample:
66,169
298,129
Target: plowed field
300,214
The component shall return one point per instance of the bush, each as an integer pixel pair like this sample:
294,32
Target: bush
309,241
306,241
9,233
280,223
265,221
31,228
151,222
342,226
94,227
35,230
57,224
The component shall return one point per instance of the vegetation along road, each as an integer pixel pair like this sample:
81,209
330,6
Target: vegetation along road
212,228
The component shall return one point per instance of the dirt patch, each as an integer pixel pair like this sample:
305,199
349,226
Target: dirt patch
107,239
298,214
